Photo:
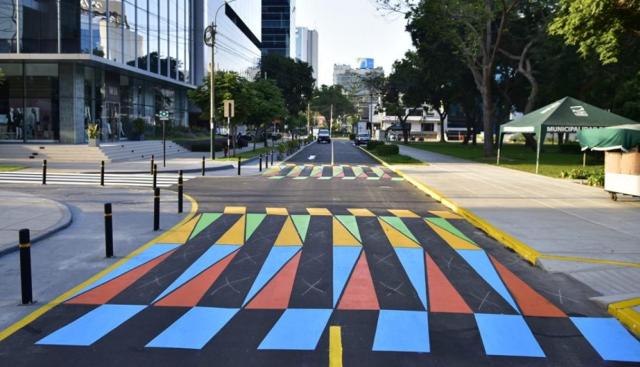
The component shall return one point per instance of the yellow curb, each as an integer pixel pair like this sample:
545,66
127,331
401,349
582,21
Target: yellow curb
61,298
335,346
624,312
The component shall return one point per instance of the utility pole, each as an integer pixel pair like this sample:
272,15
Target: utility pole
308,118
331,120
210,40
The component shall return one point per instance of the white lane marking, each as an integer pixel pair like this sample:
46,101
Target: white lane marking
332,152
312,157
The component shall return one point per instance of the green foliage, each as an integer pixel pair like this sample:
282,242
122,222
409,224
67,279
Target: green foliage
593,177
352,136
328,96
599,26
282,148
372,144
596,179
293,77
93,130
387,149
138,126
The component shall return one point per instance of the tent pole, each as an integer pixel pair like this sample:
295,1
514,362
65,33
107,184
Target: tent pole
584,159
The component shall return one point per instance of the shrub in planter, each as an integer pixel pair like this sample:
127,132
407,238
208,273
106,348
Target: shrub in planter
138,129
352,136
373,144
387,149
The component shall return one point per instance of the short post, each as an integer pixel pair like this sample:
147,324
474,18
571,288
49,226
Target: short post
108,230
44,172
25,266
153,162
155,176
272,158
239,165
266,160
102,173
180,192
156,209
203,166
260,165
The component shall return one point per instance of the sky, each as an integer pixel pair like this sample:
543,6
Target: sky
350,29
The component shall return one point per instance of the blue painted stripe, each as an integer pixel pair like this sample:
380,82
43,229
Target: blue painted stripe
278,256
194,329
482,265
610,339
402,331
507,335
140,259
297,329
412,260
92,326
344,259
214,254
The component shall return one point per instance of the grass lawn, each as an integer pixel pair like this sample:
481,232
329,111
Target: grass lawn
247,154
10,168
397,159
516,156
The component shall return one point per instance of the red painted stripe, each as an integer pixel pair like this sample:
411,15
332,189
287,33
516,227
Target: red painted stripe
360,294
531,302
276,294
443,297
107,291
190,293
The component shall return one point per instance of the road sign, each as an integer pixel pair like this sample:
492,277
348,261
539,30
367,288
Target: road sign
229,108
163,115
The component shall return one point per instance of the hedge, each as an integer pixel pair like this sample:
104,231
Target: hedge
373,144
387,149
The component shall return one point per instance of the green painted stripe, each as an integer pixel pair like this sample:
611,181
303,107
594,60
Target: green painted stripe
316,170
205,221
398,224
276,178
357,171
377,171
302,224
301,178
253,221
337,170
349,221
444,224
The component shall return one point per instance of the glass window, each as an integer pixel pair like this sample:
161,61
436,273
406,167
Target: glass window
8,19
173,39
187,41
143,37
11,102
164,39
85,26
41,103
69,26
154,32
98,27
130,34
116,21
39,26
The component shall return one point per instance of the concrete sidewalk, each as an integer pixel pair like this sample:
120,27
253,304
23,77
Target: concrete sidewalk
553,216
19,210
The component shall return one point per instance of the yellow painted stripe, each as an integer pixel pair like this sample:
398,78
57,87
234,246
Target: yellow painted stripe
395,237
235,234
624,312
61,298
319,211
341,236
590,260
452,240
277,211
235,210
288,235
401,213
445,214
335,346
361,212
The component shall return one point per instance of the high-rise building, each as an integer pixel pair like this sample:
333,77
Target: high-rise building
278,27
238,39
307,48
354,84
68,63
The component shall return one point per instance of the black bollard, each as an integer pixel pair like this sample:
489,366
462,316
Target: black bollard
156,209
239,165
272,158
108,230
260,166
203,166
44,172
180,192
25,266
153,159
102,173
155,176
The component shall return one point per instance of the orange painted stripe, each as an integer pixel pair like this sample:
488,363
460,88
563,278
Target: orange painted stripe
190,293
107,291
531,302
443,297
276,294
360,294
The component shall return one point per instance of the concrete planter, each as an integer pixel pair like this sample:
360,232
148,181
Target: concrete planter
94,143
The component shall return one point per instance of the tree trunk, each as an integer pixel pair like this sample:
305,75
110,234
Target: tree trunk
442,116
487,111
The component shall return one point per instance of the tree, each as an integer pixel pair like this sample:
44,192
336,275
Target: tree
266,105
605,27
293,77
474,29
330,99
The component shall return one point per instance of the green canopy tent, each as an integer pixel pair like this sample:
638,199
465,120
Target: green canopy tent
622,137
567,115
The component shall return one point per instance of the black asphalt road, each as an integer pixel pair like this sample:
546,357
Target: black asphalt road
455,339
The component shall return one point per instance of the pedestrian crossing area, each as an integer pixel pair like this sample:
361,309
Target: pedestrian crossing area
235,285
329,172
91,179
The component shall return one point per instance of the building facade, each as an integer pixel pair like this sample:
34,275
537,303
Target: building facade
278,27
67,63
353,82
307,48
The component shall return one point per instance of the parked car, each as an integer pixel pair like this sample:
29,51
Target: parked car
362,139
323,136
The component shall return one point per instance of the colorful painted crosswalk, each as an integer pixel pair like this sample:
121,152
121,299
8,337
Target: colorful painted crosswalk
329,172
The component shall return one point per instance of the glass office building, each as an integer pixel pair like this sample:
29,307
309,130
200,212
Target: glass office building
66,63
278,27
